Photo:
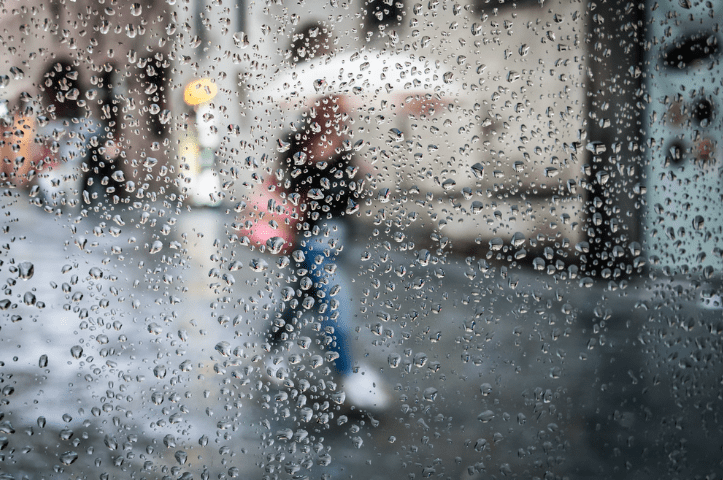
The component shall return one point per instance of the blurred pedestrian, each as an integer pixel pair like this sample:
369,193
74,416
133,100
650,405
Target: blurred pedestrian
67,133
322,173
102,179
17,146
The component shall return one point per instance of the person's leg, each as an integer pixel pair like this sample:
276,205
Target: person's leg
332,294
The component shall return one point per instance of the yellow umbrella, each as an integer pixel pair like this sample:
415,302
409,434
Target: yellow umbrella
199,91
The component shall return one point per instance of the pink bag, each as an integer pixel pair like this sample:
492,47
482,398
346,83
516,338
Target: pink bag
269,220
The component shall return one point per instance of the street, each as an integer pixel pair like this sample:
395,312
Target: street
137,346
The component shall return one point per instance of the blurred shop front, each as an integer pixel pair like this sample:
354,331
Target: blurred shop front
89,92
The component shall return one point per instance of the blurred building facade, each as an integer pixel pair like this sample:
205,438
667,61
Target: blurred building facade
684,220
547,129
524,65
120,57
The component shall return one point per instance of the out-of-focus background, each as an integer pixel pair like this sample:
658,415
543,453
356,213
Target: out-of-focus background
533,265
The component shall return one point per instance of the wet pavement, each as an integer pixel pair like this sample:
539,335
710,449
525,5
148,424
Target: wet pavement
139,346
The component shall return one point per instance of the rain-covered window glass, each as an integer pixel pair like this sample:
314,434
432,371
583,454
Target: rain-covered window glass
360,239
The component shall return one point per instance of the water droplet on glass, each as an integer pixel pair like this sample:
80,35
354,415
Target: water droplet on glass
224,348
26,270
394,360
275,244
118,176
551,172
136,9
496,244
319,85
76,351
156,247
486,416
430,394
478,170
240,39
150,162
282,146
68,458
698,222
258,265
29,298
299,158
518,239
17,73
181,457
110,442
396,135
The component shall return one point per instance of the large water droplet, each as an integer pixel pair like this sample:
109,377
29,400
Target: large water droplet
478,170
275,244
26,270
486,416
430,394
68,458
518,239
110,442
224,348
283,146
76,351
698,222
118,176
240,39
496,244
181,457
258,265
17,73
396,135
156,247
29,298
319,85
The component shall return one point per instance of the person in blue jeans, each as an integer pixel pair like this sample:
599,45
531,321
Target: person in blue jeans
321,172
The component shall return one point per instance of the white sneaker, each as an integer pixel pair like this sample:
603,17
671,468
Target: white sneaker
366,389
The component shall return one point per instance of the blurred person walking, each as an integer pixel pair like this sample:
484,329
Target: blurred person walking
321,174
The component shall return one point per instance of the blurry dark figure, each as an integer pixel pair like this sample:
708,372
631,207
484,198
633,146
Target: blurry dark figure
66,133
60,91
103,179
